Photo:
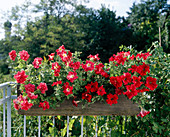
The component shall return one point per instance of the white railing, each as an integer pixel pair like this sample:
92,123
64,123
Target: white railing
7,99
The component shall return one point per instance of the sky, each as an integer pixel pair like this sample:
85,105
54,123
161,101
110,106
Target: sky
120,6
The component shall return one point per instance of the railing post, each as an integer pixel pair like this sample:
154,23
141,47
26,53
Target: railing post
4,113
9,112
24,126
81,126
96,126
39,126
67,126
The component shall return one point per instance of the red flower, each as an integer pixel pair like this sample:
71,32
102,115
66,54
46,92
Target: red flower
131,91
67,89
127,78
111,59
101,91
51,56
37,62
118,91
60,50
74,103
143,69
111,99
45,105
31,95
92,87
116,81
133,68
143,55
24,55
89,66
26,105
136,81
22,103
94,58
142,90
75,65
132,57
20,77
143,113
42,87
29,87
56,67
104,74
64,57
86,96
99,68
151,83
12,55
120,59
72,76
56,83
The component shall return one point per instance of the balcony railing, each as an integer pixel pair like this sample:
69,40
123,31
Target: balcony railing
7,97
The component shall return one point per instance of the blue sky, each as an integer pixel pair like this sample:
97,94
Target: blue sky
120,6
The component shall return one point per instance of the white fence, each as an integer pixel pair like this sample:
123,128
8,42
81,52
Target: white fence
6,87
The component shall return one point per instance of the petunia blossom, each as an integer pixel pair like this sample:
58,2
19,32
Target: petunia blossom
42,87
37,62
12,55
151,83
20,77
24,55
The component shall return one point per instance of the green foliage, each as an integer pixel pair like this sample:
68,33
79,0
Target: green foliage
157,122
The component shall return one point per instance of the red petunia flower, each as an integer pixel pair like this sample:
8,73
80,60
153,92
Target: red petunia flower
99,68
26,105
87,96
21,77
22,103
101,91
56,67
66,57
143,113
45,105
142,90
151,83
74,103
131,91
92,87
136,81
94,58
75,65
133,68
37,62
118,91
42,87
132,57
32,95
56,83
111,99
24,55
72,76
116,81
51,56
89,66
60,50
12,55
143,55
143,69
67,89
29,87
127,78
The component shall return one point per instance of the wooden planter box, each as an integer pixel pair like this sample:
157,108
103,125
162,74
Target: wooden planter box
123,107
